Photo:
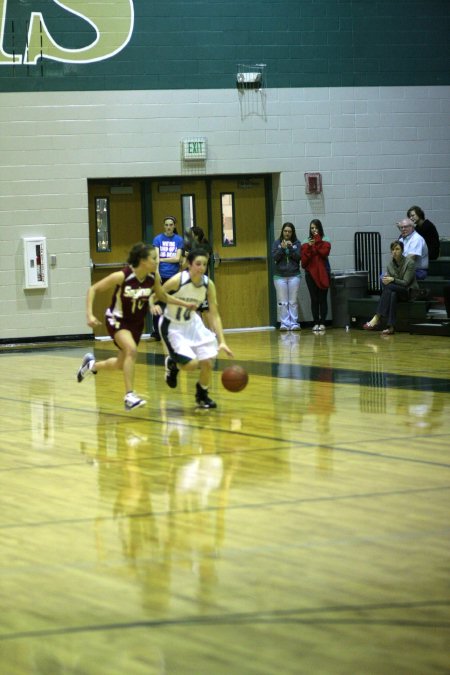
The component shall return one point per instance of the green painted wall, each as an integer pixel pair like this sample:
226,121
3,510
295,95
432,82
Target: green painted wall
178,44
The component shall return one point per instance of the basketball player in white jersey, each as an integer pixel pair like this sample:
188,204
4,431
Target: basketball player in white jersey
190,344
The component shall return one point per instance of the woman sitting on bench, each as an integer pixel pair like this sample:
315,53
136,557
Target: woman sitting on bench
398,281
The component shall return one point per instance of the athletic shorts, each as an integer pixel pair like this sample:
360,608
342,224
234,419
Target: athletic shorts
116,323
188,341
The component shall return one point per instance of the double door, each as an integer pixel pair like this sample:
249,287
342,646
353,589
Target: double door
231,211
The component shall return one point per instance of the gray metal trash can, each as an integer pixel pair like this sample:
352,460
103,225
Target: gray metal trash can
345,285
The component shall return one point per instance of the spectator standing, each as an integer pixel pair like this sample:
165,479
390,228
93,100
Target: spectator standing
414,246
314,256
426,229
196,239
286,258
169,245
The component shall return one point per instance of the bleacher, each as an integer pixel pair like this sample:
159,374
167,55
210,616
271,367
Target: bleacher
422,316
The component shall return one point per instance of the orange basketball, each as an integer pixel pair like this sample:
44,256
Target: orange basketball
234,378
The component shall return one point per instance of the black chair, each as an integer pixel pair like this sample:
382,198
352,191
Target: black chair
367,247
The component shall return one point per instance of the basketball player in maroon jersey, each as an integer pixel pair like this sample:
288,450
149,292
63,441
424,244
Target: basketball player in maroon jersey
125,317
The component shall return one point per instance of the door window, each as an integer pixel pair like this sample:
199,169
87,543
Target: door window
228,220
187,211
103,234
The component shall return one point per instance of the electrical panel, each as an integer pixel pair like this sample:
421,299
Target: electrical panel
35,262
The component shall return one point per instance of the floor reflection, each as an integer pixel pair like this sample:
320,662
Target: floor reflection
168,494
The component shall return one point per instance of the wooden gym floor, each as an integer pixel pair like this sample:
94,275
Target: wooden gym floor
301,528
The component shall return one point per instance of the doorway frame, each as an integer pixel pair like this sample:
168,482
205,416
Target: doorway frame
148,226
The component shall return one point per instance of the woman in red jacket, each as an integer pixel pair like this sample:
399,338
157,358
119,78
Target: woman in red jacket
314,257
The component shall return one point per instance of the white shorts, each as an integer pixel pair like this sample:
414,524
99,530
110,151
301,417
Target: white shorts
189,340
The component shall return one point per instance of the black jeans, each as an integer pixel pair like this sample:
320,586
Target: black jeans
387,306
319,300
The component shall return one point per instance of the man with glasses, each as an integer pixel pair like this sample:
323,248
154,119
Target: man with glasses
414,247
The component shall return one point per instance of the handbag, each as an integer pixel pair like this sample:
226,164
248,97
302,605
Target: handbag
420,294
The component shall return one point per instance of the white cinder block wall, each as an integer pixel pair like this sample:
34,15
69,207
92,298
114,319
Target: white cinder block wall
379,150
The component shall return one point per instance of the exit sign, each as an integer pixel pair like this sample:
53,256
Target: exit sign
194,148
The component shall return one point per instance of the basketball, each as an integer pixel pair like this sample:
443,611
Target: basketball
234,378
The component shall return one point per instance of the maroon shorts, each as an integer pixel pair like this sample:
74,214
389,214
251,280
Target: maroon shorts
115,323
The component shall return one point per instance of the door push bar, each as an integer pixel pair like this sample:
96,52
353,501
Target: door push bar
110,265
219,261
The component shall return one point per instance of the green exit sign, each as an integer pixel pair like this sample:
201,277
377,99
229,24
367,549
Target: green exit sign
194,148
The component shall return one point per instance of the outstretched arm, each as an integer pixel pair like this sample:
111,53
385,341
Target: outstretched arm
171,284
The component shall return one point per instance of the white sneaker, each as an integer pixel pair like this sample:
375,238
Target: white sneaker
132,400
316,328
322,328
296,326
85,369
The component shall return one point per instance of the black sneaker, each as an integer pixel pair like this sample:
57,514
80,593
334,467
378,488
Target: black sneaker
171,372
155,336
202,399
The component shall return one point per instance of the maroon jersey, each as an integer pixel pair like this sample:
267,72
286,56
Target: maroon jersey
129,304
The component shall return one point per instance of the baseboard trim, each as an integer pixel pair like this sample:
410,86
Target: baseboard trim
248,330
50,339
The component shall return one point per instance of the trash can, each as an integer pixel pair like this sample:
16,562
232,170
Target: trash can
345,285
